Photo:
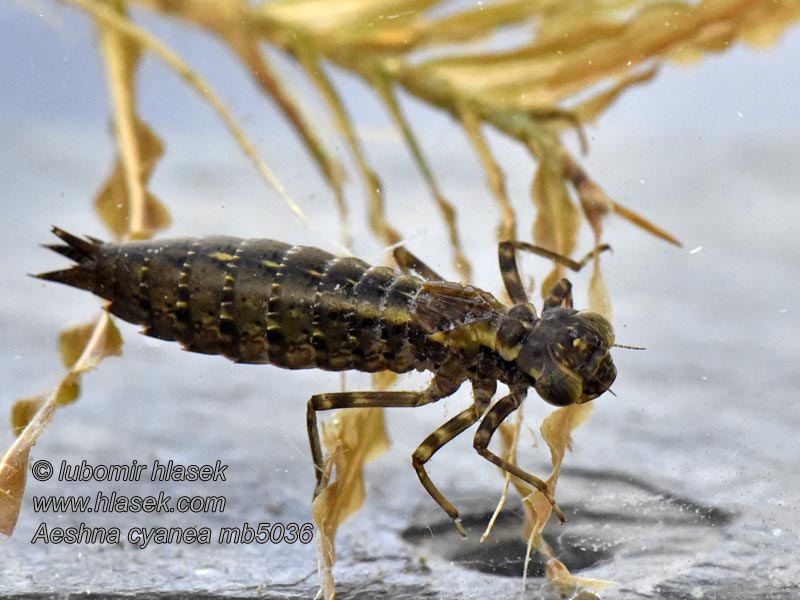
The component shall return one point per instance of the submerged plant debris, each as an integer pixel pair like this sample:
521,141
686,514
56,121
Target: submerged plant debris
577,58
350,443
82,349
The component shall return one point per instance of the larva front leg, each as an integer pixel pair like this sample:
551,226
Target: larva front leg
506,254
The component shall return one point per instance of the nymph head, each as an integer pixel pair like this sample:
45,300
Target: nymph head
566,352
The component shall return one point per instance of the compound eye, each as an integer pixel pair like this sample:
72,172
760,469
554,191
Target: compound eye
587,342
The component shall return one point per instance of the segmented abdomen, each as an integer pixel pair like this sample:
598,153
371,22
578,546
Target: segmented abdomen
263,301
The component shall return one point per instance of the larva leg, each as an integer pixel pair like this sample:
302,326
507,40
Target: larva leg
510,273
409,263
496,415
506,253
440,387
452,428
560,295
339,400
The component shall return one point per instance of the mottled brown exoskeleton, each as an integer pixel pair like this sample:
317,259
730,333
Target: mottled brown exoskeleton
263,301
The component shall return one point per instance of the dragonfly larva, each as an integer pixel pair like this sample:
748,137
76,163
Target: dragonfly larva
263,301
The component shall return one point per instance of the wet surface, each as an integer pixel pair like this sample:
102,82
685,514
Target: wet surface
629,516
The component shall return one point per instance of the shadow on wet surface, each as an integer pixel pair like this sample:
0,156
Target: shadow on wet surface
630,515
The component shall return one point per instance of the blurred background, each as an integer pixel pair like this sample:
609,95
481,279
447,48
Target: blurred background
708,152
